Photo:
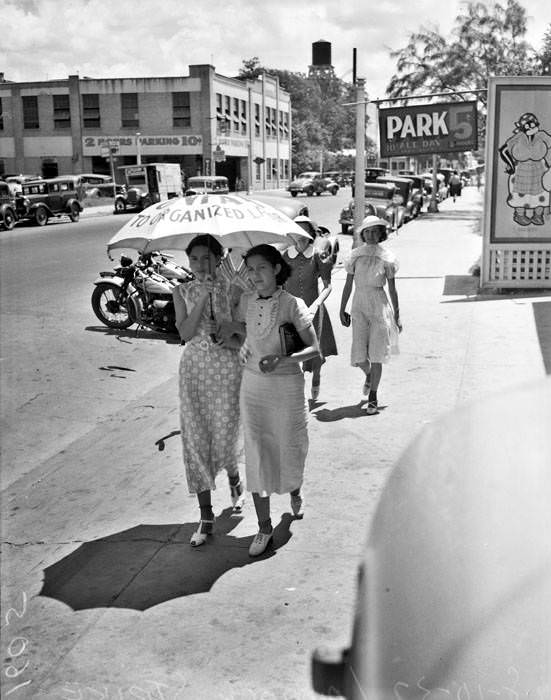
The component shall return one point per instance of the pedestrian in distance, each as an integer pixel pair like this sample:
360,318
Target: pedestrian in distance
209,378
308,266
455,185
272,403
375,320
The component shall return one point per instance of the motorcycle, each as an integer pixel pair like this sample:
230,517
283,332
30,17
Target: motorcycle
139,292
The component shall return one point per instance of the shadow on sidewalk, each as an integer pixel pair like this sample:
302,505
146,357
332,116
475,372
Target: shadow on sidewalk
136,333
328,415
150,564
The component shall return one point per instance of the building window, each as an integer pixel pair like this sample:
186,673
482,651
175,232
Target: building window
235,126
268,122
129,109
30,112
181,113
257,120
243,116
90,112
62,112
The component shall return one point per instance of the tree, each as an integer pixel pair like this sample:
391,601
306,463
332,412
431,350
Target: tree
321,124
486,41
544,57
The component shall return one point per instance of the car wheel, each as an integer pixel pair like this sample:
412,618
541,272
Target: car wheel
9,219
318,193
74,212
294,194
41,216
120,206
334,191
146,202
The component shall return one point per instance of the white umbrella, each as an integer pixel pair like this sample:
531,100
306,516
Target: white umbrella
237,222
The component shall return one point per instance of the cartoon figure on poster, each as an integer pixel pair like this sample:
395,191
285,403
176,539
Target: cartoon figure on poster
527,155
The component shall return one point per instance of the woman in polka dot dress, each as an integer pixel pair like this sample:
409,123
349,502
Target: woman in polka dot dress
210,376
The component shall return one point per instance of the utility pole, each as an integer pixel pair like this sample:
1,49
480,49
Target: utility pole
359,179
433,204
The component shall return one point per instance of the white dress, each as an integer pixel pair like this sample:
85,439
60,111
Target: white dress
374,331
273,406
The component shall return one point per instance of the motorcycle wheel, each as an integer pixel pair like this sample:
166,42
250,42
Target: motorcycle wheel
109,305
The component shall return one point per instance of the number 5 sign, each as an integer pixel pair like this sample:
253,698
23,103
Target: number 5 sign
424,129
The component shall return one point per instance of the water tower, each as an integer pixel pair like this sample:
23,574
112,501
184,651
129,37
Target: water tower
321,60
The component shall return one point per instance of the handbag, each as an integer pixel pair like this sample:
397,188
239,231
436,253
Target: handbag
290,339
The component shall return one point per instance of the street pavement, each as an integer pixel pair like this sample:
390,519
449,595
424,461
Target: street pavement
102,595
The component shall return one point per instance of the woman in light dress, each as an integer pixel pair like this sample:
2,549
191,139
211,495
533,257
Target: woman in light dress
375,320
209,379
272,403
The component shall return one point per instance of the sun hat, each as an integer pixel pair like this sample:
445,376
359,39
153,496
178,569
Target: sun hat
310,225
371,221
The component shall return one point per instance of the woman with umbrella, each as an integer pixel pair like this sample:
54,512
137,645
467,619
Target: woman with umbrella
210,375
273,409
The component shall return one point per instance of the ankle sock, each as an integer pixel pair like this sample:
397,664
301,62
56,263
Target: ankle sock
265,526
372,396
206,513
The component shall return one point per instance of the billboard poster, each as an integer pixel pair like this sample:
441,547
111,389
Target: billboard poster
518,154
427,129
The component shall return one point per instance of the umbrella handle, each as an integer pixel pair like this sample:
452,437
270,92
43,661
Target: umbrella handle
212,335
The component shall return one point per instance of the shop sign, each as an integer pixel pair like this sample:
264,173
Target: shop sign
426,129
149,144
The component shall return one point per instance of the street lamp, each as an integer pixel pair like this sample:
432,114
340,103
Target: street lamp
138,149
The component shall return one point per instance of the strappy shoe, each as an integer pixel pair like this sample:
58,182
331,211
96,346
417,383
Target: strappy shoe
297,506
260,543
372,408
237,493
199,537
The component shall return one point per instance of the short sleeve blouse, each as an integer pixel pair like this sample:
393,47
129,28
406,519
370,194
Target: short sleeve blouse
371,265
263,317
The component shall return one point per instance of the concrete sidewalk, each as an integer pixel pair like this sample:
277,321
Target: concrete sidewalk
108,598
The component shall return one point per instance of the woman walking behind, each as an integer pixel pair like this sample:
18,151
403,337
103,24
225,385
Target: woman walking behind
307,267
375,323
209,378
272,403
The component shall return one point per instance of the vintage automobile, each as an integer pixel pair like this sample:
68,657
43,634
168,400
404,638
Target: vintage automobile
40,200
407,195
326,243
381,199
8,215
147,184
312,183
453,594
207,184
105,189
16,181
371,175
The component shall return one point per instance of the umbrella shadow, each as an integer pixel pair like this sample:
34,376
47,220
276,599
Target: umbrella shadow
328,415
136,333
147,565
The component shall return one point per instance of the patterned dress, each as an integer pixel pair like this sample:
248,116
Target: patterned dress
307,268
374,331
273,406
209,395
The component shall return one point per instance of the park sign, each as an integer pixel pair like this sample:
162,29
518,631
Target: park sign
427,129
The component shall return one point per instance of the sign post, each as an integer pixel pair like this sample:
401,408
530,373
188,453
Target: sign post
359,176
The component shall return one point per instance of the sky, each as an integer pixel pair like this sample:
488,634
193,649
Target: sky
51,39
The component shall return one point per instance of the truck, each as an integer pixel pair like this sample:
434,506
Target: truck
148,184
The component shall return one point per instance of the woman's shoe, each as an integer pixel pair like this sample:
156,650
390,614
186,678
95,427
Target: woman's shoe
199,537
372,407
297,506
237,493
260,543
315,391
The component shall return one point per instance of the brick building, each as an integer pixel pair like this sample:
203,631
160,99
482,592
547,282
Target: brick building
206,122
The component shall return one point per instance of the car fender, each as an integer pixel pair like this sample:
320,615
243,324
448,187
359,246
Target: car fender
34,206
70,202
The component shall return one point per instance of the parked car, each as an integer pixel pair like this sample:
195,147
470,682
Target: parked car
405,195
382,200
8,215
16,181
326,243
312,183
209,184
40,200
371,175
106,190
417,194
147,184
